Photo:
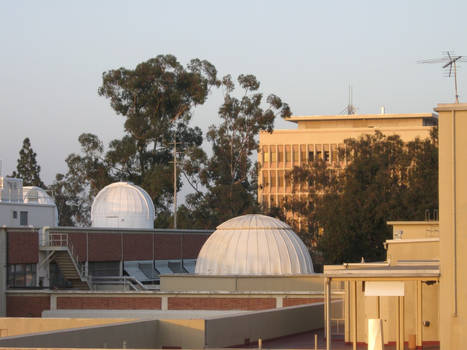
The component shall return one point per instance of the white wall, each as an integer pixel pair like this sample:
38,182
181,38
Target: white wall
39,215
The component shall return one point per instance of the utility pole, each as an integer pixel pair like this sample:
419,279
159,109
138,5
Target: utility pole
175,180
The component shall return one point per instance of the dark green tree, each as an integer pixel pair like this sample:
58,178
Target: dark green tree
27,167
229,176
87,174
156,99
347,209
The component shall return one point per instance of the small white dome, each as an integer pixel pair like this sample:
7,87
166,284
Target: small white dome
254,245
37,195
34,194
122,205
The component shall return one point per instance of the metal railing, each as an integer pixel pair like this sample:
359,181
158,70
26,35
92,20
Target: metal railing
61,240
122,281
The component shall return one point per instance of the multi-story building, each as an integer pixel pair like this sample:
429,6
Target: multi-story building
322,136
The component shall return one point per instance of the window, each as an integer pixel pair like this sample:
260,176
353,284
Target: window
303,154
21,275
311,156
288,157
15,214
273,153
273,181
280,154
280,179
23,218
265,155
295,153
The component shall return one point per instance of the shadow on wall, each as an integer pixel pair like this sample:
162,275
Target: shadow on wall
213,332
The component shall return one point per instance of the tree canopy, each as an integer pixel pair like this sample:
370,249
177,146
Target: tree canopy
229,177
156,99
347,208
27,167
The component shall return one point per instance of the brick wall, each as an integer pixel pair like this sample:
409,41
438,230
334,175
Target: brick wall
26,306
23,247
104,247
109,303
136,246
300,301
216,303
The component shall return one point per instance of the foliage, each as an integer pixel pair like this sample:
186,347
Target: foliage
229,176
27,167
156,99
347,208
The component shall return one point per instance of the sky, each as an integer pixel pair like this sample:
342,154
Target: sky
53,54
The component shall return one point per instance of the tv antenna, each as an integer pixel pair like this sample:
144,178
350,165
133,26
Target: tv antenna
450,65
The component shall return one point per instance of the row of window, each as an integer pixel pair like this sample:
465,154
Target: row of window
300,153
21,275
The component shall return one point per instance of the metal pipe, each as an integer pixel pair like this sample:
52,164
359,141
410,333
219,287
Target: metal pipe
354,344
328,313
454,209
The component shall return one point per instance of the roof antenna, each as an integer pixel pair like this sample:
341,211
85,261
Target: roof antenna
450,61
350,108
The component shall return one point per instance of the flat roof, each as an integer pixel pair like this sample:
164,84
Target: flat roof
296,118
375,272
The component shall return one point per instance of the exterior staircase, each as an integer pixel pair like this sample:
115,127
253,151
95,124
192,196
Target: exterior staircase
68,269
60,249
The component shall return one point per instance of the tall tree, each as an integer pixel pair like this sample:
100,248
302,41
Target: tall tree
347,209
156,99
229,175
87,174
27,167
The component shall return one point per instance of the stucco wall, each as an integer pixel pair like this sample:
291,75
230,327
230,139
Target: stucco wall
427,249
308,283
18,325
234,330
135,334
453,224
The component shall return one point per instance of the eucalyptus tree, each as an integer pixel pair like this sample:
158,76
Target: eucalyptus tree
229,176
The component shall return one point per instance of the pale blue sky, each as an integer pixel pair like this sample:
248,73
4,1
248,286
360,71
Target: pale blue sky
53,54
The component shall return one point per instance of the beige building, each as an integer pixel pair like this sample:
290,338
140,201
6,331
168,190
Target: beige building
402,291
321,136
453,224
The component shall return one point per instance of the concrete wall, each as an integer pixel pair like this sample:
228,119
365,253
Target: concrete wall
413,249
453,223
181,333
16,326
136,335
234,330
415,313
39,215
308,283
195,333
415,229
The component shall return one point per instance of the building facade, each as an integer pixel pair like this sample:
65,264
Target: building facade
322,137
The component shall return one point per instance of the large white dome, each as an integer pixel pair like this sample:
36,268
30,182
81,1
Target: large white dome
254,245
122,205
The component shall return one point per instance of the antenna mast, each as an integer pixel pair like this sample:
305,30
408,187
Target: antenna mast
350,108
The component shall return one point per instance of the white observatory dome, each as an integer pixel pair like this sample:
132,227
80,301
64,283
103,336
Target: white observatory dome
254,245
34,194
37,195
122,205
